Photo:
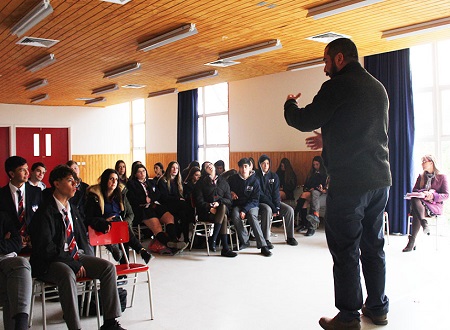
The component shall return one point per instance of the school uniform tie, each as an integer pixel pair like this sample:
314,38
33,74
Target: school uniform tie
70,237
21,214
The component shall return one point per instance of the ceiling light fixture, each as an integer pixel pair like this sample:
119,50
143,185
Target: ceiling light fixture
338,7
163,92
41,63
35,16
256,49
197,76
36,84
96,100
166,38
305,65
105,89
122,70
415,29
39,98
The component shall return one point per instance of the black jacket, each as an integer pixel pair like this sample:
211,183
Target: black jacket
247,190
270,189
352,110
207,192
14,242
48,238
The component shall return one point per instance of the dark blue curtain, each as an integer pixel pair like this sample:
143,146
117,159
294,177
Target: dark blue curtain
187,138
393,70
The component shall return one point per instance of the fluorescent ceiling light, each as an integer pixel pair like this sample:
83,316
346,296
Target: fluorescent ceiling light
96,100
122,70
166,38
305,65
338,7
41,63
256,49
415,29
197,76
164,92
35,16
105,89
36,84
118,2
133,86
39,98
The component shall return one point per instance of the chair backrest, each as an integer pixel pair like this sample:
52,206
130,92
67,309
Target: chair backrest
116,235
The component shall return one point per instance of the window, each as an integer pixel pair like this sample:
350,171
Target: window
431,88
213,133
138,130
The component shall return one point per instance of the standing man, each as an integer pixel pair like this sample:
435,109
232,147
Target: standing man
18,199
352,110
270,204
245,192
61,252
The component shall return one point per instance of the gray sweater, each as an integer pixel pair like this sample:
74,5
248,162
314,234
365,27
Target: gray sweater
352,110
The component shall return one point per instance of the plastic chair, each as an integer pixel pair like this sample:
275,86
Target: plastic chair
410,219
119,234
279,219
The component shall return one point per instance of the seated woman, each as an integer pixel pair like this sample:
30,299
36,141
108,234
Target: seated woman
121,168
144,199
172,197
186,171
212,199
107,202
434,187
315,186
188,191
158,168
288,179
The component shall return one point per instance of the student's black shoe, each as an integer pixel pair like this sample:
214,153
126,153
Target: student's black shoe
265,251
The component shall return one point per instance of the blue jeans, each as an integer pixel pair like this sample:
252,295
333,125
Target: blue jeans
354,231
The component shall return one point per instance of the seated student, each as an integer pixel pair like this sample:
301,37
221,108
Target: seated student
270,204
188,191
171,188
15,277
79,199
220,167
144,197
245,192
61,252
158,168
315,185
288,179
185,171
108,202
434,186
212,199
19,199
37,173
121,169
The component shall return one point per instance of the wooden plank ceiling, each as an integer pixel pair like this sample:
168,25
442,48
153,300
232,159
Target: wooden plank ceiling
97,36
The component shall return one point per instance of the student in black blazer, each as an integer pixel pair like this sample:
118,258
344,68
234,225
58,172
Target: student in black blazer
17,170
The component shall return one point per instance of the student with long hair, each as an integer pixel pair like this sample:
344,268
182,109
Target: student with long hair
144,198
121,169
434,188
158,168
288,179
171,188
315,185
107,202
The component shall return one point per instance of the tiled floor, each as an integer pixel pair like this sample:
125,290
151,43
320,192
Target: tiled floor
290,290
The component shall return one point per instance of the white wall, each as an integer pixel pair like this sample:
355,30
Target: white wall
256,110
92,130
161,121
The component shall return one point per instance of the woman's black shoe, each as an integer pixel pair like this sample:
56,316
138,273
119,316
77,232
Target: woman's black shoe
212,244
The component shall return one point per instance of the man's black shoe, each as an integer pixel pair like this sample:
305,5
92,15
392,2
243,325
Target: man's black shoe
292,241
376,319
228,253
310,232
269,244
265,251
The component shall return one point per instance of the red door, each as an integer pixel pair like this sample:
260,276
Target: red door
47,145
4,153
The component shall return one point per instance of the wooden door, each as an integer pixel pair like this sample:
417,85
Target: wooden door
4,153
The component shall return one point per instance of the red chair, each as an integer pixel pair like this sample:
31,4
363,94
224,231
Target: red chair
118,234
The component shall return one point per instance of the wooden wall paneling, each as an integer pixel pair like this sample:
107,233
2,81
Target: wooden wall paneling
300,160
164,158
96,164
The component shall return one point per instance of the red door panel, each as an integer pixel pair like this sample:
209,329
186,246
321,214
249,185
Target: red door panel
4,153
47,145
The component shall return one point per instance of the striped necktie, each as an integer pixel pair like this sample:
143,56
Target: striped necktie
21,214
70,237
